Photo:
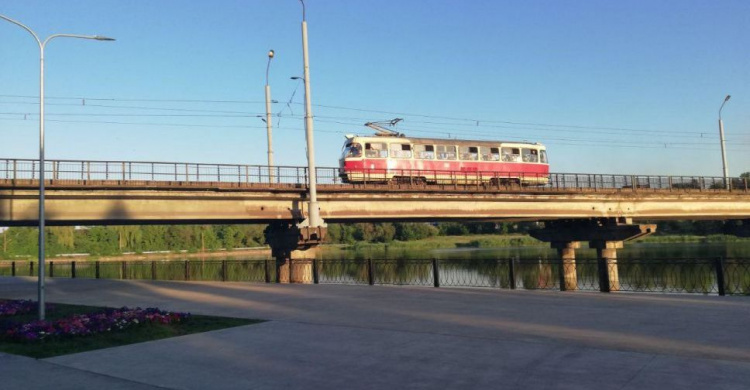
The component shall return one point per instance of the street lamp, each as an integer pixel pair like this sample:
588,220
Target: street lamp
268,119
723,148
42,45
314,220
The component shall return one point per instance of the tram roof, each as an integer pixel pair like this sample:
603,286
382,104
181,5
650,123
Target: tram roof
451,141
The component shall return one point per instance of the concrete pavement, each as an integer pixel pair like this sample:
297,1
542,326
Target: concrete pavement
328,336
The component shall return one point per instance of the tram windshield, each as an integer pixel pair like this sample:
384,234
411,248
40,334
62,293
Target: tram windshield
351,150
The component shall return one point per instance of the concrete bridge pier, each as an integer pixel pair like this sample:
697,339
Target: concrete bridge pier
293,248
567,273
606,235
606,255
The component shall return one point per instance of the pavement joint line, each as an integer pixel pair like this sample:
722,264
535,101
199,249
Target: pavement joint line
637,373
525,339
45,361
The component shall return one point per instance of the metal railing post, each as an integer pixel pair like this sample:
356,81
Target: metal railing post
435,273
719,269
223,270
603,268
267,271
291,270
512,273
96,270
31,268
370,273
51,269
561,273
316,276
153,269
124,270
187,269
12,268
123,171
73,269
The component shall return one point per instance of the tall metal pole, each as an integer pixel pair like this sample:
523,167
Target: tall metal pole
314,212
268,120
723,146
42,45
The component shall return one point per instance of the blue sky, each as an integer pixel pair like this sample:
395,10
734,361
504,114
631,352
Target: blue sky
609,86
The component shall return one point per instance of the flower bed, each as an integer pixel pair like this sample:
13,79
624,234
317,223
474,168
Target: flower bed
16,307
109,320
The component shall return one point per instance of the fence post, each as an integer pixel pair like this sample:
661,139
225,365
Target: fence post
31,268
223,270
370,273
51,269
603,275
291,269
73,269
512,273
719,267
124,269
187,269
316,277
153,269
561,273
12,268
96,269
266,271
435,273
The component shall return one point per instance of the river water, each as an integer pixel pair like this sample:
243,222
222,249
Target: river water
631,251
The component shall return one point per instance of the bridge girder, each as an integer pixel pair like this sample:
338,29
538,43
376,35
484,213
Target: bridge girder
86,206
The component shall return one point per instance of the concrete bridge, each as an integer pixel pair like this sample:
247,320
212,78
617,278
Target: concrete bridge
604,210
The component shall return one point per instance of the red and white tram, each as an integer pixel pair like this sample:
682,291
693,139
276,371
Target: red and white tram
395,158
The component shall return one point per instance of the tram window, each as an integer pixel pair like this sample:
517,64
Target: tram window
400,151
530,155
469,153
543,156
490,154
511,154
352,150
424,152
446,152
376,150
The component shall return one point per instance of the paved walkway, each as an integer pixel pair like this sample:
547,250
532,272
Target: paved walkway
328,336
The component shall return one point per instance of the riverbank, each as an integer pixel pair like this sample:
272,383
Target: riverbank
437,242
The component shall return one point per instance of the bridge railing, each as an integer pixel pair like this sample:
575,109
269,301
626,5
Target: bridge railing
662,275
71,171
139,173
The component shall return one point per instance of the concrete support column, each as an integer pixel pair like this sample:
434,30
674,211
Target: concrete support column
567,272
293,251
606,253
297,267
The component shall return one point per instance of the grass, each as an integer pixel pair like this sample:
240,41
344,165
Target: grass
447,242
667,239
132,335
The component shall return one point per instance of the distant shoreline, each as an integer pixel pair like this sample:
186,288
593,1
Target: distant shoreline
436,242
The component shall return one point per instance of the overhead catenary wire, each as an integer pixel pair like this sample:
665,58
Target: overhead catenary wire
477,122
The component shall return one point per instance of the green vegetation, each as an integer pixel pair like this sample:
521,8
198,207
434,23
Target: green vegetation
115,240
21,243
137,334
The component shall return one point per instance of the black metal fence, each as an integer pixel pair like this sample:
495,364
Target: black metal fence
701,276
131,173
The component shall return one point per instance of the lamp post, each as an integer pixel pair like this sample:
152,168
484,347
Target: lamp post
42,45
268,119
723,148
314,220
